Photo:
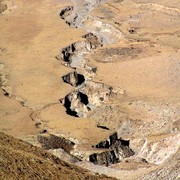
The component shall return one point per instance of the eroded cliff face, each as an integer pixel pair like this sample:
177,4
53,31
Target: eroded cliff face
115,150
109,101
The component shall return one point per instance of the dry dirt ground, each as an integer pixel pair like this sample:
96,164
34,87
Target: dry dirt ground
131,78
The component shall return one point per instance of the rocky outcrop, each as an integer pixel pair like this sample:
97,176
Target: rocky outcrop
88,97
75,16
73,78
106,33
105,158
76,104
80,18
73,55
153,152
116,149
55,142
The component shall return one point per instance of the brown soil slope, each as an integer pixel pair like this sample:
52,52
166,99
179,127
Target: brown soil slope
20,160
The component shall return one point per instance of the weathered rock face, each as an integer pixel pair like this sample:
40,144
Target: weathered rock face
76,104
115,150
107,33
105,158
75,16
159,151
73,55
74,79
88,97
80,17
55,142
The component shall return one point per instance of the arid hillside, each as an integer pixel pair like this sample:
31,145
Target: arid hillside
21,160
93,82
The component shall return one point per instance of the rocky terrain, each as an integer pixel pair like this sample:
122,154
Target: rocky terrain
21,160
96,83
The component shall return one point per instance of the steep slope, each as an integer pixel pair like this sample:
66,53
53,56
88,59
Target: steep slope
21,160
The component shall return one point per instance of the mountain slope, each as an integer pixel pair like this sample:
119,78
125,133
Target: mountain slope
20,160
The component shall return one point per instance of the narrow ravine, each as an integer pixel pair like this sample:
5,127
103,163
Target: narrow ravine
103,93
87,94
